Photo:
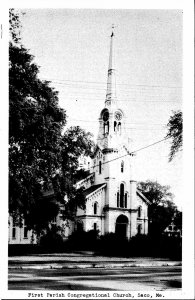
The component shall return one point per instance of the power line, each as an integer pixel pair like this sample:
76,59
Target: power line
132,152
159,124
124,84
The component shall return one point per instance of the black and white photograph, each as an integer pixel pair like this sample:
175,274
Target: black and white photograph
96,192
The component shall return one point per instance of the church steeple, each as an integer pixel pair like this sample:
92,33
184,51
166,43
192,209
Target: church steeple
111,80
112,119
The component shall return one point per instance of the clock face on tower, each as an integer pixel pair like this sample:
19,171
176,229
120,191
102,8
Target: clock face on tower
106,116
118,116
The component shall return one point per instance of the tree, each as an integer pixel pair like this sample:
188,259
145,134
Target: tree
40,157
175,132
162,209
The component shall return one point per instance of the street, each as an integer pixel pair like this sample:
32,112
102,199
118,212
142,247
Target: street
118,278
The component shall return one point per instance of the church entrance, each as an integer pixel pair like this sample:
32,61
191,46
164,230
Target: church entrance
121,226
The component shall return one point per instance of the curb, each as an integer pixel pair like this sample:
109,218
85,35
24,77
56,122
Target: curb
93,265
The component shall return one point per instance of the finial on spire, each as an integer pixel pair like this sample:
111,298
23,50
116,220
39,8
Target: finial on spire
113,26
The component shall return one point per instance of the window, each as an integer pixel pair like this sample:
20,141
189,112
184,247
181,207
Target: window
122,195
100,167
14,229
122,166
139,212
117,199
119,127
13,232
95,226
115,124
95,208
25,230
125,200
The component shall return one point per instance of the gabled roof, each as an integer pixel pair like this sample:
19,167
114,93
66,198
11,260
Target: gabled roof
85,178
143,197
93,189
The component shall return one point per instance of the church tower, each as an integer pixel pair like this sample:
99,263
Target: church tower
112,200
112,118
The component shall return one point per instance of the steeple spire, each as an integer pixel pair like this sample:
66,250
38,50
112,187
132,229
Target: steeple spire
111,81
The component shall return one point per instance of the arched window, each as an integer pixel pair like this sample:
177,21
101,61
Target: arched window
122,195
95,208
115,125
119,127
100,167
139,212
122,166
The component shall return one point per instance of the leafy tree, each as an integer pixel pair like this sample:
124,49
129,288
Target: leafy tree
162,209
74,143
175,132
40,157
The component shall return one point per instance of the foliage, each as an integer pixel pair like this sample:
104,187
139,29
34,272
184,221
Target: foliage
14,25
74,143
40,157
35,124
175,132
161,211
52,239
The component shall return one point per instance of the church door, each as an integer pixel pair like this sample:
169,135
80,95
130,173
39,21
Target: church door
121,226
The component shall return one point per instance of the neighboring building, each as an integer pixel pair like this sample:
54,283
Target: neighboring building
113,202
172,231
19,234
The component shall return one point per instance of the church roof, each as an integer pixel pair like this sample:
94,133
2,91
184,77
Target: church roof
93,188
143,197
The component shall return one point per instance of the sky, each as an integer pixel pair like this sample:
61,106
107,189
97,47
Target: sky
71,46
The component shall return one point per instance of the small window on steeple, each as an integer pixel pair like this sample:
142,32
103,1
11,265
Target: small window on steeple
115,125
119,127
122,166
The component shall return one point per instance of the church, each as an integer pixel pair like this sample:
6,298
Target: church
113,202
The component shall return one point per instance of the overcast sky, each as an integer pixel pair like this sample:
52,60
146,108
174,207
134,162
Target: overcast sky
72,49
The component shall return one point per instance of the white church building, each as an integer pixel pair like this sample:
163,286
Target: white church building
113,202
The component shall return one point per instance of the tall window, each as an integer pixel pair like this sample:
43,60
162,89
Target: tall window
14,230
13,233
115,125
100,167
118,203
95,208
122,166
119,127
139,212
125,200
95,226
122,195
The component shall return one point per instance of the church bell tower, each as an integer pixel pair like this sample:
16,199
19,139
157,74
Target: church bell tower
112,118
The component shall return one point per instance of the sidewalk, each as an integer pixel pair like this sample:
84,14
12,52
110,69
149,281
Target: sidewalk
84,260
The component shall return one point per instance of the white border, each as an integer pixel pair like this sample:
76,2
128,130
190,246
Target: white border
188,179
